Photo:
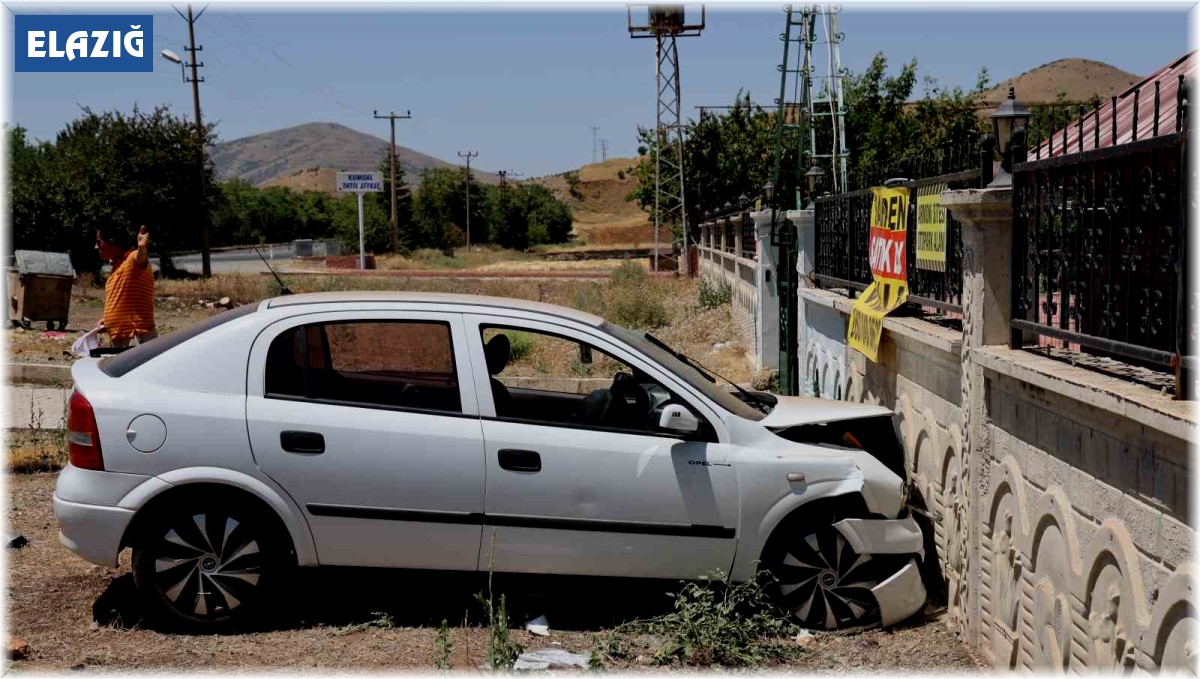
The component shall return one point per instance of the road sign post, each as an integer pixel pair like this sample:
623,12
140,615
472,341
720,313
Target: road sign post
359,183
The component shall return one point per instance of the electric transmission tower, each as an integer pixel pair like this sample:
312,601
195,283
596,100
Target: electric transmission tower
594,130
666,23
603,150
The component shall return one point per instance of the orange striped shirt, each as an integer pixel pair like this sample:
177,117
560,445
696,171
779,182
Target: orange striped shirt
129,299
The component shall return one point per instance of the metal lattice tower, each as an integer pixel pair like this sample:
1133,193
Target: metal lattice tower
817,97
665,24
808,28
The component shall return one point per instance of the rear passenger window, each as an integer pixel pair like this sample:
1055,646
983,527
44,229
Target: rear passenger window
390,364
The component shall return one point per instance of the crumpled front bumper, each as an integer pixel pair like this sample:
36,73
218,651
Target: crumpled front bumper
902,594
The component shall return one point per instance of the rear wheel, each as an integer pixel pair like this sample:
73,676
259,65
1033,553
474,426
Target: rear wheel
208,565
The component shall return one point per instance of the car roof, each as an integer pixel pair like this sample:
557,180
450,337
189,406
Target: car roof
483,302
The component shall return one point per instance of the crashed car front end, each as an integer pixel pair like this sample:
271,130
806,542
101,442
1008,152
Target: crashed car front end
816,462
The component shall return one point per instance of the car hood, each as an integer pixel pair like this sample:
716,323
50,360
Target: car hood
792,411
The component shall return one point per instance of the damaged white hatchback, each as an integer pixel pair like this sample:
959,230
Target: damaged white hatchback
409,430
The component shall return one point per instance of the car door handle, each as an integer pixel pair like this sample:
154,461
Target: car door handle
304,442
520,460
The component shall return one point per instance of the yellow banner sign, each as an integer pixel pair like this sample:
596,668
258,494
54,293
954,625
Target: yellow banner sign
888,255
931,228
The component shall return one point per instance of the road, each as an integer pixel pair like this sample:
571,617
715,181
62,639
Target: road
239,261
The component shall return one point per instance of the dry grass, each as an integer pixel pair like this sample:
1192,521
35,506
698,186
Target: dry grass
463,259
36,450
555,265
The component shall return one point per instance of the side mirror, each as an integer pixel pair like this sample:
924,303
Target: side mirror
676,418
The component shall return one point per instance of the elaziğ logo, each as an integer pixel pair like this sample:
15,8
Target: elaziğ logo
85,43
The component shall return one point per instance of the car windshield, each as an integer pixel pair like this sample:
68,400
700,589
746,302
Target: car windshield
684,372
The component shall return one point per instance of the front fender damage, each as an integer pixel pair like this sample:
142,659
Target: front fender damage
903,594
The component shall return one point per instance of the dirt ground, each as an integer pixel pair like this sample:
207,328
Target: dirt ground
78,616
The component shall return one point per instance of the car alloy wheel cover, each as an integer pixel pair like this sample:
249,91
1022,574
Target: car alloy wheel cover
825,584
207,565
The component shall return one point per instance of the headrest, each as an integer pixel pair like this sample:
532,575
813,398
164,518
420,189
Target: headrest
496,351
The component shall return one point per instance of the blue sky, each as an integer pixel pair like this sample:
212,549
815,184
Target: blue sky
523,87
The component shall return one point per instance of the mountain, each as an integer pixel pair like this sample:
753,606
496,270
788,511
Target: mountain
1076,79
310,155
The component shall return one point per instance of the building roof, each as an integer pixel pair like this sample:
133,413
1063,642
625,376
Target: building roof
1165,82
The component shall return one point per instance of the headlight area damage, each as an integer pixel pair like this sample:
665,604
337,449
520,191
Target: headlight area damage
904,542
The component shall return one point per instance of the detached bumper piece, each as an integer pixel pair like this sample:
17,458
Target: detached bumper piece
902,594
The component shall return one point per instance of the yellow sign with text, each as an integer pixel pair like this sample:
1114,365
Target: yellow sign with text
888,256
931,228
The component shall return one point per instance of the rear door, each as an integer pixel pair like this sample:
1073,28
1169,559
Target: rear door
369,420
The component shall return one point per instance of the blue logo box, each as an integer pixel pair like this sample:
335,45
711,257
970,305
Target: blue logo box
84,43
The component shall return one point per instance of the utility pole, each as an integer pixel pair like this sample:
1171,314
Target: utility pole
504,174
468,155
392,117
594,130
603,150
205,260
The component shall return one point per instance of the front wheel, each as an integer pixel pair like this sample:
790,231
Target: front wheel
823,582
209,565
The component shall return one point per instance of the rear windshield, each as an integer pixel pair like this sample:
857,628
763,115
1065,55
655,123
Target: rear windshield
116,366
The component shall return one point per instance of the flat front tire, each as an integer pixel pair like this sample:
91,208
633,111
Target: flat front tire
822,581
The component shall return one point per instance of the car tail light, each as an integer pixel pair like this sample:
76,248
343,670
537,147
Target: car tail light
83,436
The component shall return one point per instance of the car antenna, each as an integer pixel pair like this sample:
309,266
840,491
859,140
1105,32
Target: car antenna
283,289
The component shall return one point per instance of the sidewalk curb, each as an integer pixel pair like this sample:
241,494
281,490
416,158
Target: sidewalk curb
39,373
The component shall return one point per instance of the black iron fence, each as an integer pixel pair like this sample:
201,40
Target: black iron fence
1099,242
843,226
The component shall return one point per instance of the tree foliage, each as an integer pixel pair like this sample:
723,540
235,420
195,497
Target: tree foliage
109,171
731,155
113,171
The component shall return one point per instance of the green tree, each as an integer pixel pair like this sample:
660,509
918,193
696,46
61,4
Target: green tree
404,202
112,171
377,231
440,209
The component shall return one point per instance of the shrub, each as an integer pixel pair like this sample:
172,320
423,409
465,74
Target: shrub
590,299
635,300
713,295
519,344
714,623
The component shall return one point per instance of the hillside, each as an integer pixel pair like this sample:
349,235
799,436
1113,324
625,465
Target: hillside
1075,79
310,155
602,215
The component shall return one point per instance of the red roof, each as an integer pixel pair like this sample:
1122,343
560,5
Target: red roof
1168,81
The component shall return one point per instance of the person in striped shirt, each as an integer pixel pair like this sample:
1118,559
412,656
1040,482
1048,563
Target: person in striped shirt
129,291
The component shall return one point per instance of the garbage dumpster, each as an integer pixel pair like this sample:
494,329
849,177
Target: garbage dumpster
39,288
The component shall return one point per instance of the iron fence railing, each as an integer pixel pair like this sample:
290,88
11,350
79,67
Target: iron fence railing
1099,241
843,228
749,240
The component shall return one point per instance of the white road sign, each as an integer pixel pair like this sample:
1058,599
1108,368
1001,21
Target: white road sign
359,182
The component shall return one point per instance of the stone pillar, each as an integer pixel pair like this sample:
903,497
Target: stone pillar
737,237
805,222
767,330
986,217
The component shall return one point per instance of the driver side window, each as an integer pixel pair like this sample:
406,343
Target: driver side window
540,377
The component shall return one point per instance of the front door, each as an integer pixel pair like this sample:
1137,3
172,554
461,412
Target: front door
369,421
580,480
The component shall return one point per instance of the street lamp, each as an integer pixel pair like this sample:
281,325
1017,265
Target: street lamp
1010,115
175,59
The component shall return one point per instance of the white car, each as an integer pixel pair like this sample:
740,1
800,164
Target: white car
413,430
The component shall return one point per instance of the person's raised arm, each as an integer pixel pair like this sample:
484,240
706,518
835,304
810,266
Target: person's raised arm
143,248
